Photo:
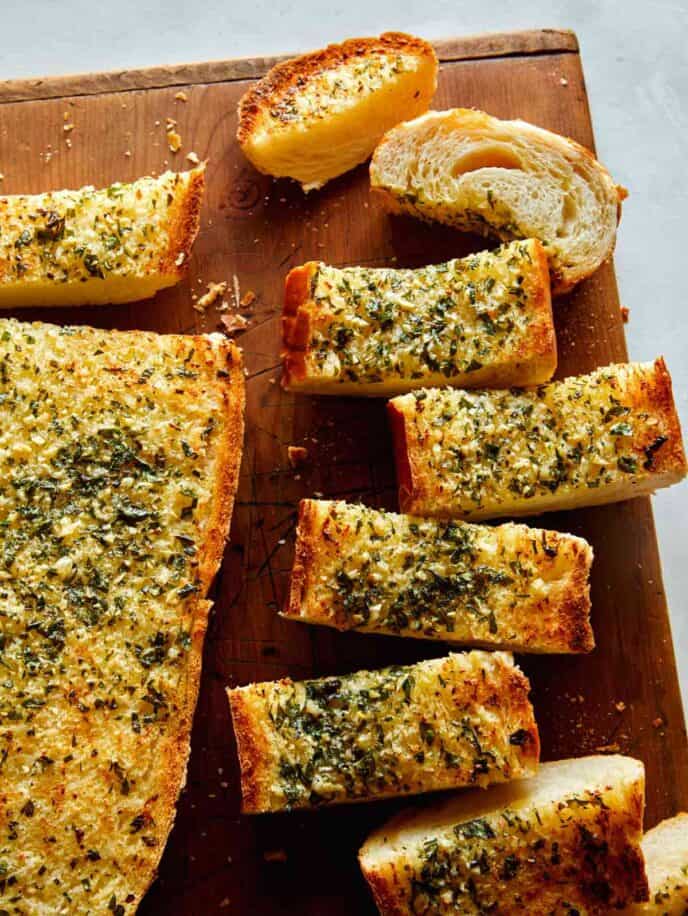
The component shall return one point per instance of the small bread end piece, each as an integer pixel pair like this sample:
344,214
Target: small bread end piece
319,115
566,840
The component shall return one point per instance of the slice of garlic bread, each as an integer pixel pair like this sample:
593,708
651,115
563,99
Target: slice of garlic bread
508,179
319,115
119,459
665,848
587,440
447,722
566,841
482,321
91,247
509,587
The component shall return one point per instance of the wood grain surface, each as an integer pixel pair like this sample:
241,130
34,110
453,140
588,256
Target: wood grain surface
624,695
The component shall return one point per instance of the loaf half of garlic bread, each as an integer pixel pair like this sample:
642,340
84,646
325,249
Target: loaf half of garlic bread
509,586
481,321
90,247
566,841
119,459
508,179
665,848
598,438
455,721
319,115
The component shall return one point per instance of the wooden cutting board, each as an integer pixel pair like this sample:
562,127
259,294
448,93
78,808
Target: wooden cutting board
625,694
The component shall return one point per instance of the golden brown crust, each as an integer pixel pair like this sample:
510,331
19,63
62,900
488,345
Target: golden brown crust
185,219
542,341
296,321
409,484
253,750
224,369
307,539
296,72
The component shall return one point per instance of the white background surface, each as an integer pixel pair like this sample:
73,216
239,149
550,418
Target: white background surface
636,66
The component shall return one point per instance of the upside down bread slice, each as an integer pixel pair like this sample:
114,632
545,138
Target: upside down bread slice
591,439
447,722
665,848
566,841
90,247
508,179
509,587
485,320
319,115
119,459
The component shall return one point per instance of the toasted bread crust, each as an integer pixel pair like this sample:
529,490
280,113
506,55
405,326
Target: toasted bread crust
327,541
315,302
471,684
185,220
654,456
299,70
222,356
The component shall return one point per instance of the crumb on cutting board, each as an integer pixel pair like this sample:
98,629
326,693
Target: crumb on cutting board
214,292
174,140
233,323
625,314
297,455
247,299
181,96
193,158
275,855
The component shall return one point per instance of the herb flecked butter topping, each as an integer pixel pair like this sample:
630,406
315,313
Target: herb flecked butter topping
108,450
455,721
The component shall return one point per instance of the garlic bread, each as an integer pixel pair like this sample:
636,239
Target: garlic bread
507,179
598,438
91,247
509,587
566,841
446,722
119,459
317,116
485,320
665,848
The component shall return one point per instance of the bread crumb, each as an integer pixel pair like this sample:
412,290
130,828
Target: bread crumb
174,141
658,722
179,260
68,143
275,855
225,902
237,291
625,314
247,299
215,290
297,454
68,128
127,153
233,323
181,96
193,158
620,706
564,81
2,177
608,748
